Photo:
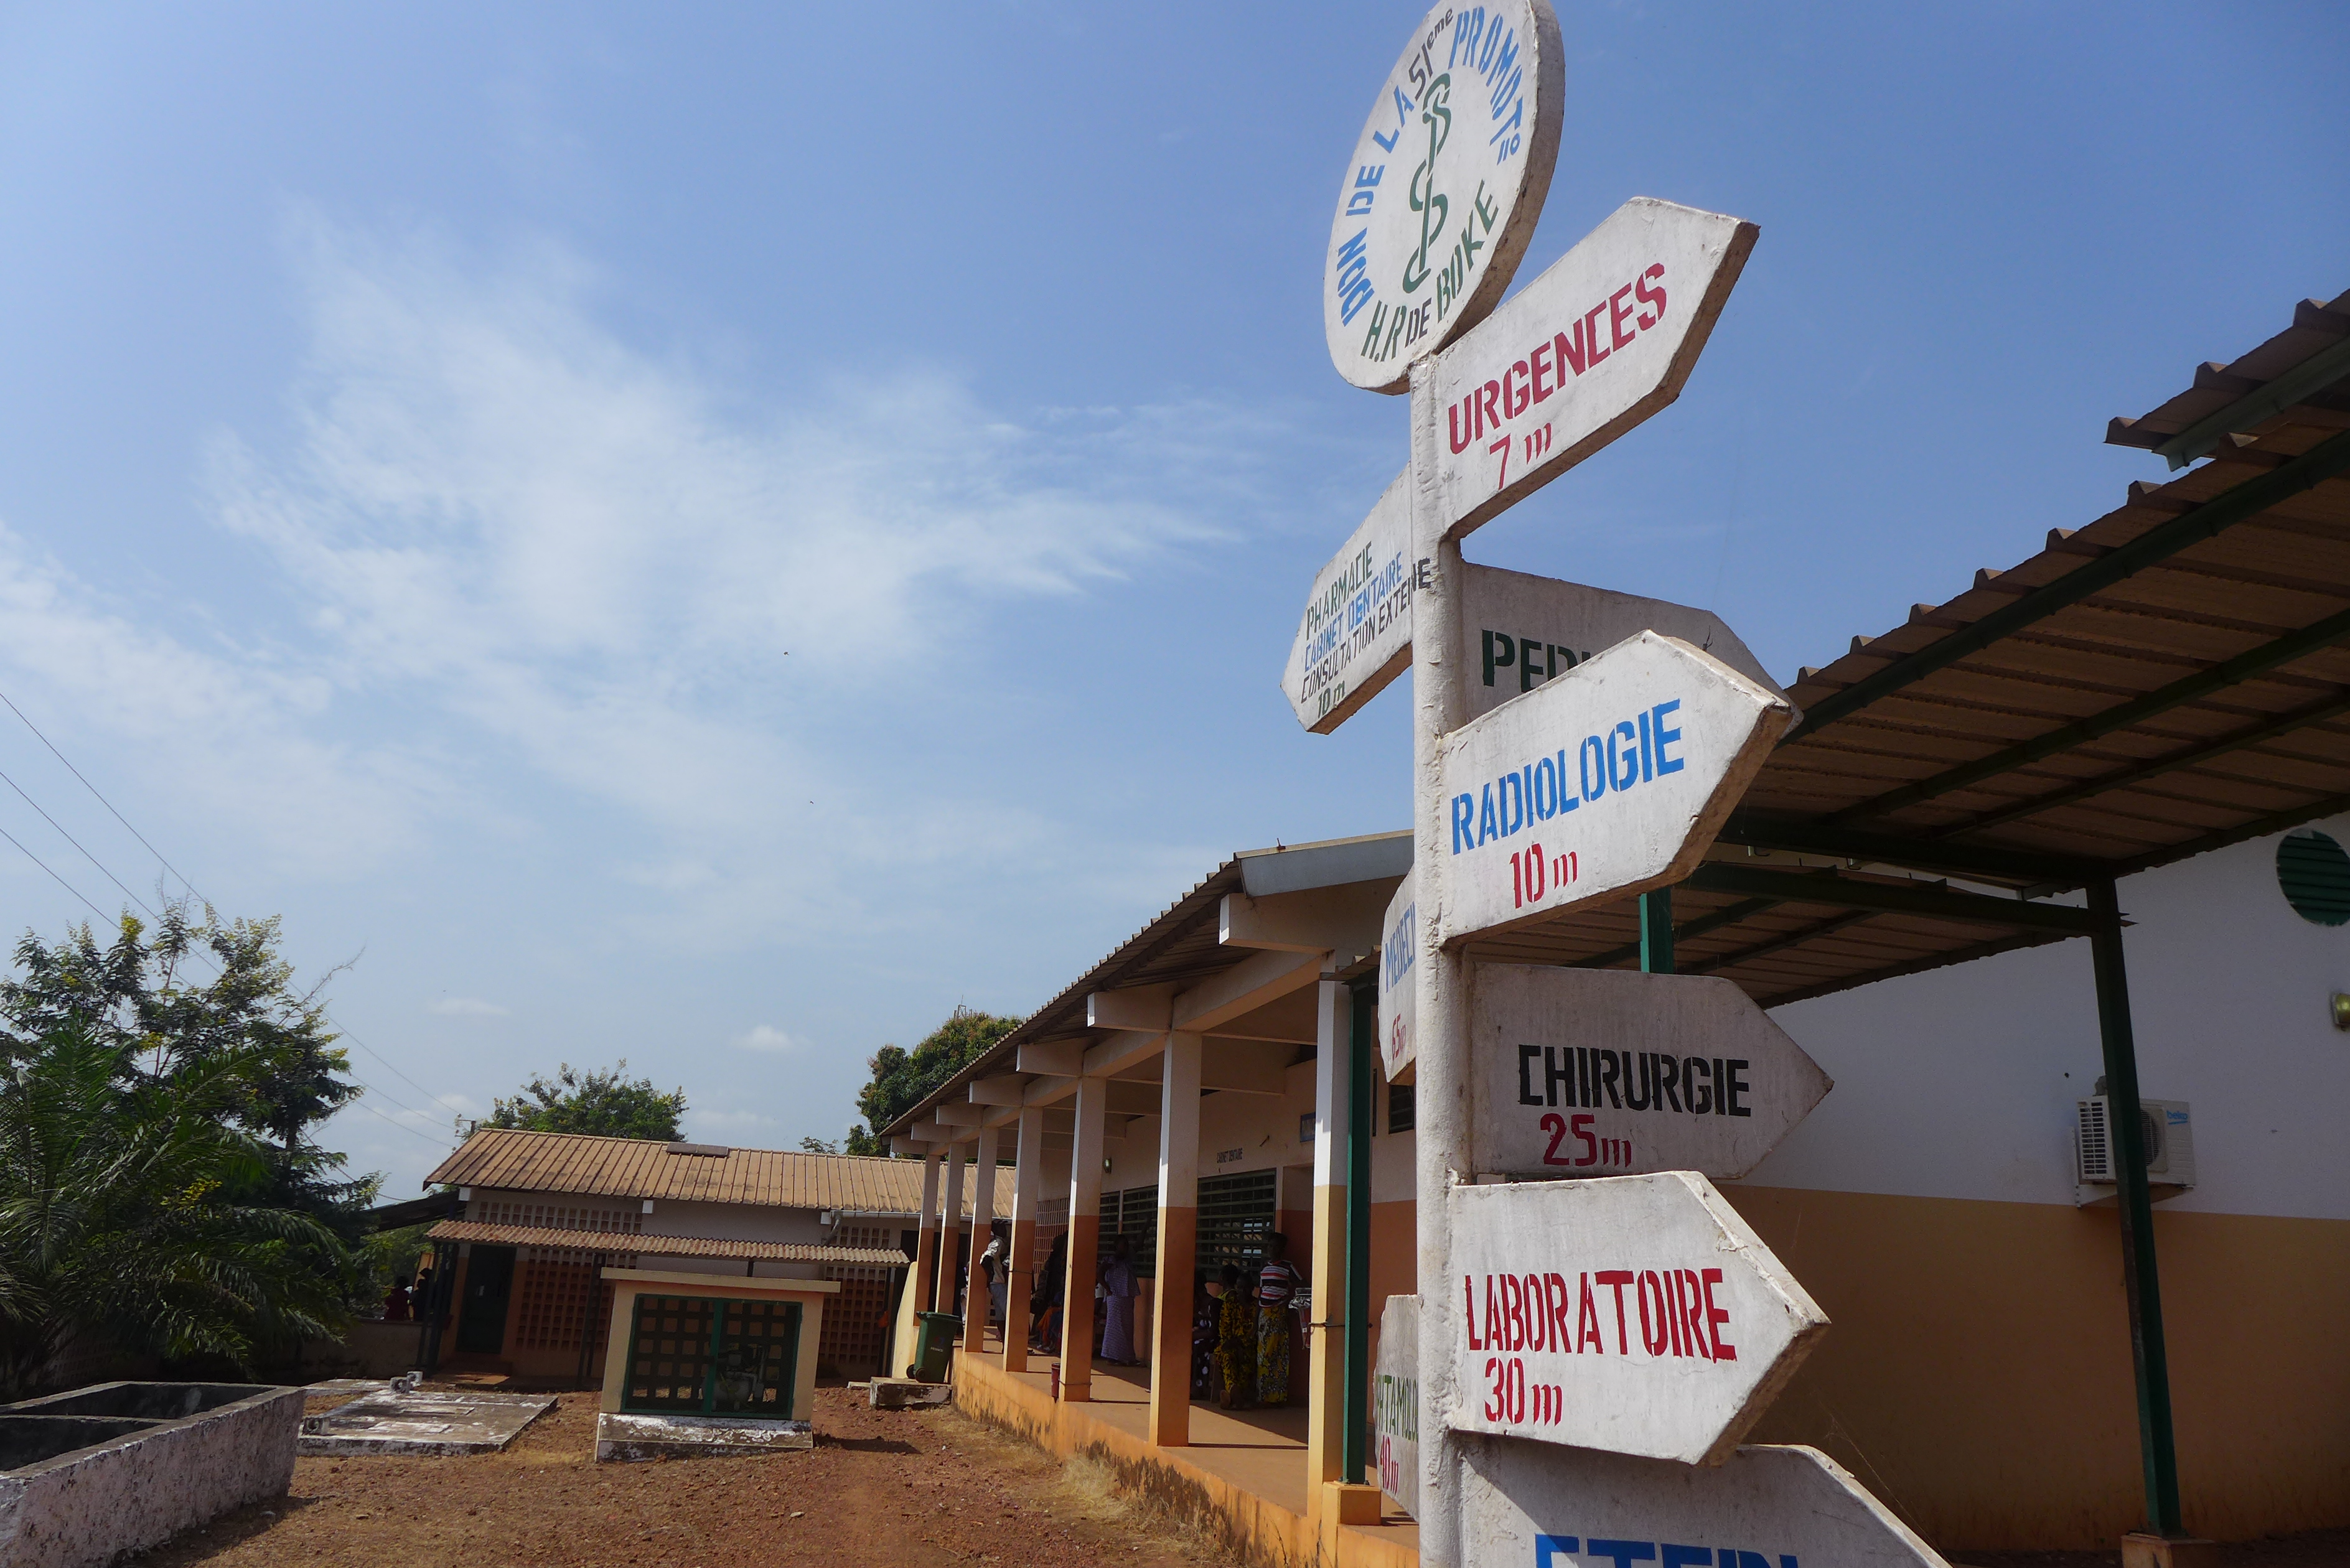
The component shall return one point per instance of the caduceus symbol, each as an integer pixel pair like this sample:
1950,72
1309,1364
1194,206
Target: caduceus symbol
1436,113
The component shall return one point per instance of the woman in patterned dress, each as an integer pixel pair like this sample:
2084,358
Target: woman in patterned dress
1236,1341
1276,1283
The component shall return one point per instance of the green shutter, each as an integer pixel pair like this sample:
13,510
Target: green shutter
2314,874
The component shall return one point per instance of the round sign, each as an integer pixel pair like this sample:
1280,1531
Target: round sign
1444,188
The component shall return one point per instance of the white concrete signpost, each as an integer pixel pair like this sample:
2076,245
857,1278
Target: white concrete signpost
1634,1313
1608,780
1448,178
1529,1506
1395,1403
1591,1071
1596,344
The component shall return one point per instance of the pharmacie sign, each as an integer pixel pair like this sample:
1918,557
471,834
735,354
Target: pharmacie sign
1635,1313
1589,1072
1609,780
1444,188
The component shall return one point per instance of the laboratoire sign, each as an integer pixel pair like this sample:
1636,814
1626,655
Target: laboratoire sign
1635,1313
1590,1072
1444,188
1608,780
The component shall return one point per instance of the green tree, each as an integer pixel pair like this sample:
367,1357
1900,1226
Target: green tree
605,1104
901,1078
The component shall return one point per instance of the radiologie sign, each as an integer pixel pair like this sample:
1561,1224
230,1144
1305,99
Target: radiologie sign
1395,1403
1635,1313
1596,344
1398,984
1609,780
1443,190
1528,1506
1589,1072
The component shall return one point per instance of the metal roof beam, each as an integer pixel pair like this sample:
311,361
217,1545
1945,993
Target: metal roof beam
1686,930
2259,827
1832,889
2320,370
1759,831
2253,496
2187,689
1793,938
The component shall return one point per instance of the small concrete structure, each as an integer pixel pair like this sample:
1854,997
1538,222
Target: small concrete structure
627,1439
396,1421
906,1393
626,1386
118,1468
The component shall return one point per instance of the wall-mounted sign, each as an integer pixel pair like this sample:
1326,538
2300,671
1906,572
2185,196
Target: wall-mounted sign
1590,1072
1635,1313
1395,1403
1444,187
1527,1505
1611,779
1399,981
1596,344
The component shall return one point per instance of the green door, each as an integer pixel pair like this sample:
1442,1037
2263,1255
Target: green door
693,1355
489,1282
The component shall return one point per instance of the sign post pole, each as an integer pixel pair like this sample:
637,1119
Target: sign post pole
1657,931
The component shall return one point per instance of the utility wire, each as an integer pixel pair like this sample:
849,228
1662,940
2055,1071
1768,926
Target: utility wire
45,866
93,789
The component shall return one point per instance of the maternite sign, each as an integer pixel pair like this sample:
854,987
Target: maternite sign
1399,986
1446,184
1395,1403
1596,344
1635,1313
1610,780
1527,1506
1590,1072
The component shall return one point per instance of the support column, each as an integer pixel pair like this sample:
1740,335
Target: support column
1179,1243
1363,1055
975,1296
2142,1285
1657,931
1028,1183
949,1232
1085,1238
1443,1154
1326,1412
926,1239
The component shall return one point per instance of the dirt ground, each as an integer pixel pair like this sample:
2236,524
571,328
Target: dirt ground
879,1487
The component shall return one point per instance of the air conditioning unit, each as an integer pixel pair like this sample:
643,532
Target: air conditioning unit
2168,1131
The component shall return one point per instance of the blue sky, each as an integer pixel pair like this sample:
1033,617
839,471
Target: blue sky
714,536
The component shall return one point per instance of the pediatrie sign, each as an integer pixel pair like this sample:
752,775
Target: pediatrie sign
1398,984
1590,1072
1395,1403
1596,344
1610,780
1526,1505
1445,186
1634,1313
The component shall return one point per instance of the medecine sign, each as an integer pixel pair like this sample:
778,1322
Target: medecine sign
1590,1072
1447,181
1609,780
1398,984
1356,634
1395,1403
1590,348
1635,1313
1525,1505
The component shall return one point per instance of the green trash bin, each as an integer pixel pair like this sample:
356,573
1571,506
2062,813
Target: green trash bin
935,1336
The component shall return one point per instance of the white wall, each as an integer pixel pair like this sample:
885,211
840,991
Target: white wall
1959,1083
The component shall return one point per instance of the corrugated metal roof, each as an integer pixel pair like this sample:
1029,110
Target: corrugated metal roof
642,1245
510,1159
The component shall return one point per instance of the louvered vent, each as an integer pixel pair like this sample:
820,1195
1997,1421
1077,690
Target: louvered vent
2096,1142
2314,874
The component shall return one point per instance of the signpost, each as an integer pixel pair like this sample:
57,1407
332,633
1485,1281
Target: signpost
1399,986
1634,1313
1395,1403
1608,780
1584,353
1447,181
1525,1505
1590,1072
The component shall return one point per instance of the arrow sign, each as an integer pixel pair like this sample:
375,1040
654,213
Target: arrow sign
1589,1072
1356,634
1610,780
1395,1403
1399,985
1525,1506
1581,355
1635,1313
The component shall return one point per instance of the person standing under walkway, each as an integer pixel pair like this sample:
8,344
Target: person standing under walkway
1236,1341
994,1264
1118,1289
1276,1283
1045,1305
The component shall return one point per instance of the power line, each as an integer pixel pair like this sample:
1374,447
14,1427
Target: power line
45,866
93,789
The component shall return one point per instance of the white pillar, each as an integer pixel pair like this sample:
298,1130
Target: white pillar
1179,1241
926,1243
949,1230
1326,1416
982,1213
1027,1182
1441,1141
1084,1238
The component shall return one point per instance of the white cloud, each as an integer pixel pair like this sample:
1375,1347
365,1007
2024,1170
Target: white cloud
766,1037
467,1007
